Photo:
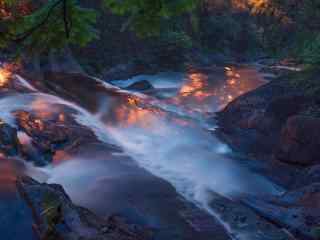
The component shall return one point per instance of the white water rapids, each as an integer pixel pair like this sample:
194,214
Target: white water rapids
190,158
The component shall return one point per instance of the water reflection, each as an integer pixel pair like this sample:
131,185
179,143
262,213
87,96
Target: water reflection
4,76
205,93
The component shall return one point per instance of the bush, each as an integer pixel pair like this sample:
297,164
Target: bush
310,52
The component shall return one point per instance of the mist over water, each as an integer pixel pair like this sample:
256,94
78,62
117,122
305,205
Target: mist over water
191,159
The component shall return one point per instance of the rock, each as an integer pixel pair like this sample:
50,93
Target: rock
282,107
300,142
244,222
143,85
297,210
56,217
253,123
46,136
310,175
50,134
9,143
245,125
121,71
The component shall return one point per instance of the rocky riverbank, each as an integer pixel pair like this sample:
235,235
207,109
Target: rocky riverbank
279,125
74,139
57,218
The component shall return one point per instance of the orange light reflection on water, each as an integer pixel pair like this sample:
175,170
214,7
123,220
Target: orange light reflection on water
4,76
200,89
131,112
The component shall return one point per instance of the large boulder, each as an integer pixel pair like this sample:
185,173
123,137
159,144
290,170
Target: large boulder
282,107
56,217
300,142
247,125
253,122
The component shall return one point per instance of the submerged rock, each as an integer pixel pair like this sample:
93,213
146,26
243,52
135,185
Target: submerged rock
57,218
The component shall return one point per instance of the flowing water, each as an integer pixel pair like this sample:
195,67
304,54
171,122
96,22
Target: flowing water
167,139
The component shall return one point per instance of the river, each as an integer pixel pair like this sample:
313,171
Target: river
159,160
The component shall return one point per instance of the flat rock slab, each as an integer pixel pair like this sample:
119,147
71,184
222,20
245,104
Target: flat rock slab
243,222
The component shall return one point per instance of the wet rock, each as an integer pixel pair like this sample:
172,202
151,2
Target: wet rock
9,143
143,85
267,124
300,141
297,210
245,125
244,222
56,217
49,134
46,136
253,123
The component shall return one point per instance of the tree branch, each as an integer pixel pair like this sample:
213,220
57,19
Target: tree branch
28,33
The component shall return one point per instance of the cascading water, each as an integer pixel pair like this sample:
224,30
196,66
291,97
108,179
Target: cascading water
167,139
193,160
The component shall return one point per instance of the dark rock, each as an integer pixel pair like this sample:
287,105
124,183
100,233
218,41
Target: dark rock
297,210
310,175
253,123
143,85
119,72
244,222
246,126
46,136
9,143
56,217
300,142
282,107
49,134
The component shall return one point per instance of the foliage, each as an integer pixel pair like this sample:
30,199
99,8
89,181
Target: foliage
316,233
309,50
57,23
291,26
145,16
52,25
228,27
305,81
